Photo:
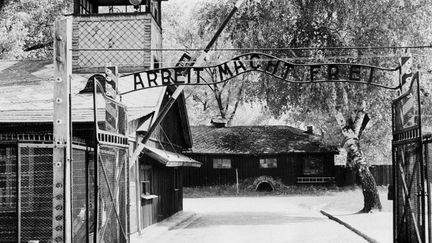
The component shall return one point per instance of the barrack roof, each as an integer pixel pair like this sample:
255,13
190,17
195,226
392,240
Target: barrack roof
26,95
256,140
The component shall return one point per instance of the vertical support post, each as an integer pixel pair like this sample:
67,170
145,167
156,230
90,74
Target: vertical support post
423,196
96,172
137,188
237,181
62,221
126,196
395,190
428,191
87,190
19,195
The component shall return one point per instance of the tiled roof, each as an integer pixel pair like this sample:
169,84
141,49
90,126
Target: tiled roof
26,94
255,140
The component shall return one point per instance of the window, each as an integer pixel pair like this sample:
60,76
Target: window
85,7
222,163
313,166
144,7
268,163
146,180
145,187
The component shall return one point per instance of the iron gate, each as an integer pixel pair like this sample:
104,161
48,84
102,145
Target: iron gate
111,157
409,174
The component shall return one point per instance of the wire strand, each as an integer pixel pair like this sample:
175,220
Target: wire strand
271,48
321,58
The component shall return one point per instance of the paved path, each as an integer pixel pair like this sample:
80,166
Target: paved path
257,219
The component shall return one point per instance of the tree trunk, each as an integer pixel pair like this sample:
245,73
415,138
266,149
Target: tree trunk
370,192
356,160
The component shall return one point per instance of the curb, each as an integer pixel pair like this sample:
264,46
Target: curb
178,220
358,232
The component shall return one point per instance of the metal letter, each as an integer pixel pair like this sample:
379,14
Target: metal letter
354,73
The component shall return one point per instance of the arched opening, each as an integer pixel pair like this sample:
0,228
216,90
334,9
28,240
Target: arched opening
264,187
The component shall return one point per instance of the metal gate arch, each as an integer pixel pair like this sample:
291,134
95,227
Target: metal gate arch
410,213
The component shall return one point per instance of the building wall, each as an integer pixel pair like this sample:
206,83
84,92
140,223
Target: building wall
166,185
166,182
173,133
289,167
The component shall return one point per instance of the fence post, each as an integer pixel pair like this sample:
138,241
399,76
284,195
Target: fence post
62,221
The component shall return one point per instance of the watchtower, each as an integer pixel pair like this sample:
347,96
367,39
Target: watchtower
126,33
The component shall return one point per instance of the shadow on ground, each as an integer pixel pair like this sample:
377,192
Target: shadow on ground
250,218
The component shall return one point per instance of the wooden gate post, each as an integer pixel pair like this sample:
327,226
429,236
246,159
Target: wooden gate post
62,212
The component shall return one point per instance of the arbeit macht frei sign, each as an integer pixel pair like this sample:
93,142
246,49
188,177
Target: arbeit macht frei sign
260,62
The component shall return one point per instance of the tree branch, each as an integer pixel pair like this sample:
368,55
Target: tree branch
360,119
227,100
205,81
340,119
237,102
38,46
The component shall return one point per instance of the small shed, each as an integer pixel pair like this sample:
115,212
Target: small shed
295,156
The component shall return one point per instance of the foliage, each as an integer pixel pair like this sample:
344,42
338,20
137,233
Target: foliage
181,30
321,23
25,24
281,24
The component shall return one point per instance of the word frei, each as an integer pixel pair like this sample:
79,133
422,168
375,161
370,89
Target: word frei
256,62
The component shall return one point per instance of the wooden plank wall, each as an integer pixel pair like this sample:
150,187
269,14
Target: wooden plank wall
381,173
289,167
168,201
173,129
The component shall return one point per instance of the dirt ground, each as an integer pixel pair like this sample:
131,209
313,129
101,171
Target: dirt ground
288,218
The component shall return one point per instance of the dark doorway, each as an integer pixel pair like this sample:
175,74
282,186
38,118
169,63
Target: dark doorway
264,187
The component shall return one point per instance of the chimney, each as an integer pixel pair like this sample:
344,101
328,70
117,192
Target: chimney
218,122
309,129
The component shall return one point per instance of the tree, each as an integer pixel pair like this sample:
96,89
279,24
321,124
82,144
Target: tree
181,30
312,23
352,130
27,28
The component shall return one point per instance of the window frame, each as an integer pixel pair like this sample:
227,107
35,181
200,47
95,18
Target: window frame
263,161
146,185
220,162
310,162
